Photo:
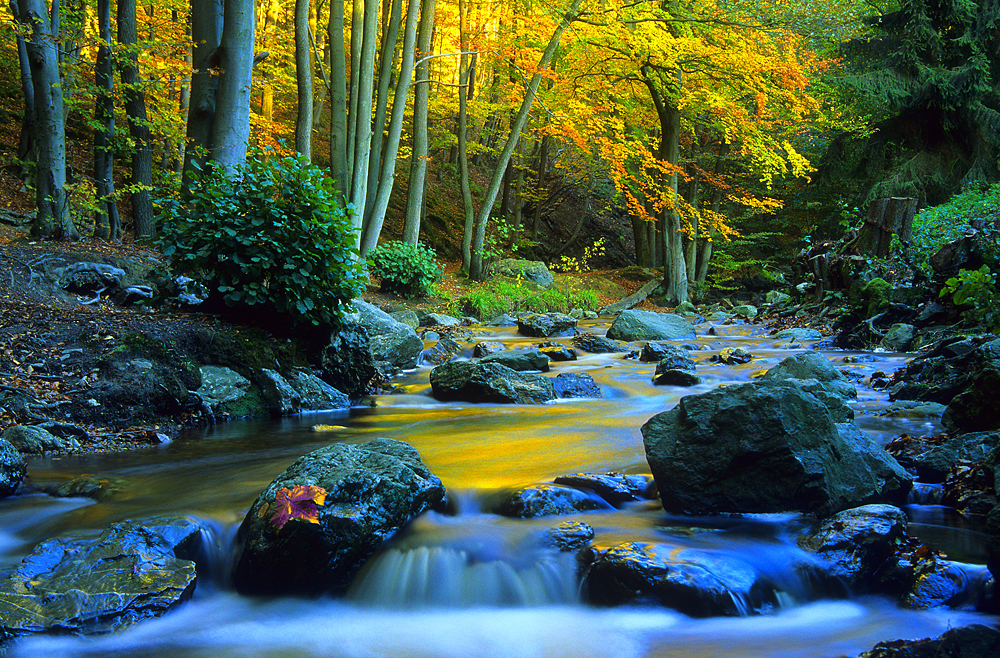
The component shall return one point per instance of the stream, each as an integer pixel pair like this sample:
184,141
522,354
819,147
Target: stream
471,584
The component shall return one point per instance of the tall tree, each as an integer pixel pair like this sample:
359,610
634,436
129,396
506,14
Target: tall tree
106,221
303,80
53,218
206,33
141,182
418,163
231,128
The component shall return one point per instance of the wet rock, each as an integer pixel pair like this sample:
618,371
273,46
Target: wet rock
548,500
576,385
372,490
544,325
346,362
812,365
86,486
695,583
747,311
443,351
977,407
798,334
438,320
557,352
502,320
394,346
227,392
487,347
665,376
732,356
132,572
913,409
932,458
597,344
766,447
520,360
931,313
856,544
570,536
660,351
955,255
632,325
947,585
899,337
406,316
976,641
12,469
531,270
942,373
280,396
489,382
969,488
314,393
616,488
33,440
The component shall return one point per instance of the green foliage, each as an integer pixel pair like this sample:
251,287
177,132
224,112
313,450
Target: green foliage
977,290
498,296
739,258
934,227
405,269
274,235
582,264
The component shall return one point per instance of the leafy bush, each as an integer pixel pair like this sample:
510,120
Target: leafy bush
405,269
934,227
276,235
977,290
582,264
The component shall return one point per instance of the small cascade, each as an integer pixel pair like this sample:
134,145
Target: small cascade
434,576
215,554
925,494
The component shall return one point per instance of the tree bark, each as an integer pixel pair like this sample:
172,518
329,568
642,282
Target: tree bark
418,163
363,118
303,80
338,98
386,179
379,138
107,225
53,218
141,183
464,71
477,271
206,33
24,148
231,128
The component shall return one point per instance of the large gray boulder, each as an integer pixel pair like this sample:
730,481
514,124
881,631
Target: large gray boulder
532,270
632,325
346,362
489,382
133,571
394,345
371,491
34,440
543,325
520,360
766,447
12,468
811,365
314,393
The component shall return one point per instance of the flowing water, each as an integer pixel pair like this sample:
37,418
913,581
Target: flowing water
468,583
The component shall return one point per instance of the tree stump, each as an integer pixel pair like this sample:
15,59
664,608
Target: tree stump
886,217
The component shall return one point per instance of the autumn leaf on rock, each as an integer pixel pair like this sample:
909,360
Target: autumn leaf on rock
300,502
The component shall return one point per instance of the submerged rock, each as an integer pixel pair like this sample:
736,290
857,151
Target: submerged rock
575,385
616,488
372,490
489,382
441,352
658,351
544,325
520,360
597,344
548,500
976,641
766,447
570,536
696,583
133,571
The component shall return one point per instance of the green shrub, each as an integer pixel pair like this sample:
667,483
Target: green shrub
405,269
276,235
934,227
497,296
976,290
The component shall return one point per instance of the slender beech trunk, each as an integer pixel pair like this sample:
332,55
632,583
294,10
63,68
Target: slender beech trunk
363,118
107,225
303,80
206,33
141,181
53,218
24,147
389,38
357,39
464,74
418,163
373,226
476,271
338,98
231,128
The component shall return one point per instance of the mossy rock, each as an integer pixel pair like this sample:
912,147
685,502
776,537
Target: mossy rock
876,295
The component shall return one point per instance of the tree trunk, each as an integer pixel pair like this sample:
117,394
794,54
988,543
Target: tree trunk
363,119
464,71
373,226
53,218
543,163
141,182
231,128
338,98
885,218
303,80
418,163
357,39
24,148
477,271
107,225
674,267
206,32
389,38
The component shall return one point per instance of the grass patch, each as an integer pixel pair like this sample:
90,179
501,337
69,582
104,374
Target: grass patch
498,296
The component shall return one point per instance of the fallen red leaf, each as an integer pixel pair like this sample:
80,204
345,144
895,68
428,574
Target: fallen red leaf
299,502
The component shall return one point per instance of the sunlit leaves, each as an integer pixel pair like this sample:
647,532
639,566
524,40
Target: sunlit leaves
301,502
